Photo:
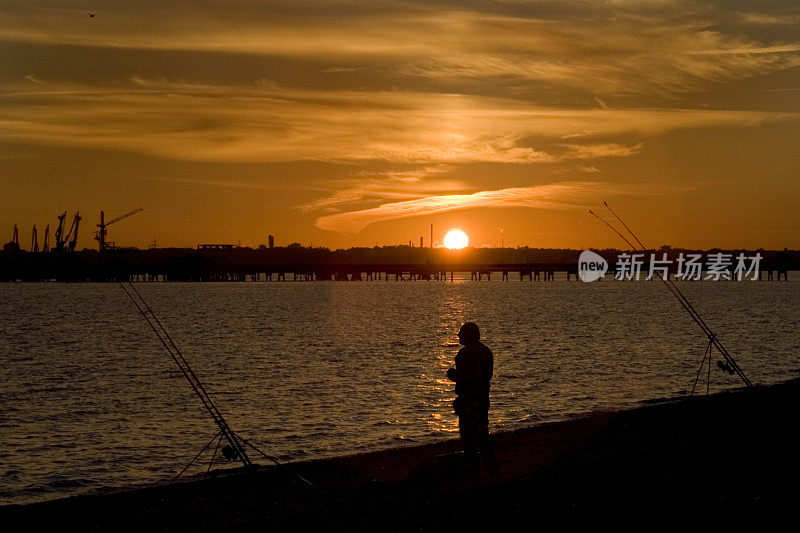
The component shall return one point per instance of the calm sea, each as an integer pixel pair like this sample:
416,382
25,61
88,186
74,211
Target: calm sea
89,400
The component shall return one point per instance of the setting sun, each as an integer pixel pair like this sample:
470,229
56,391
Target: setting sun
456,239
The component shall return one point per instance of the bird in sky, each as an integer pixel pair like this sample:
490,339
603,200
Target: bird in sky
91,15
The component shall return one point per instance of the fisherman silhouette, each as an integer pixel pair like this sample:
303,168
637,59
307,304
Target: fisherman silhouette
472,374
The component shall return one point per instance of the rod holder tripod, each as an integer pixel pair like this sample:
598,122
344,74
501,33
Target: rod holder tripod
231,456
706,357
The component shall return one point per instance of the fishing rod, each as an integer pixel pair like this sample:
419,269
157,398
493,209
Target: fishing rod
237,451
730,364
235,448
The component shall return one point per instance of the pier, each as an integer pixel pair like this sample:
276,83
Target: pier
300,264
531,272
422,272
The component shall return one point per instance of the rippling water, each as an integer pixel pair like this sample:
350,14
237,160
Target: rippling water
306,370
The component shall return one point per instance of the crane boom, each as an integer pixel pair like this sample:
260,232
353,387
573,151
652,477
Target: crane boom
126,215
72,236
102,231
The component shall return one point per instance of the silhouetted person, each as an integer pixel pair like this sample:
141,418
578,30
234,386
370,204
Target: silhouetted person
472,374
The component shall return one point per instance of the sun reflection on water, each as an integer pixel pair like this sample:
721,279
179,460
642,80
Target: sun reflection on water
453,310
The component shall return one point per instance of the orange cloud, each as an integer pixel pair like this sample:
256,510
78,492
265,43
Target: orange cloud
591,151
552,196
610,48
269,124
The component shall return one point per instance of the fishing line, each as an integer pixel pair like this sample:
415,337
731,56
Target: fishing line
730,364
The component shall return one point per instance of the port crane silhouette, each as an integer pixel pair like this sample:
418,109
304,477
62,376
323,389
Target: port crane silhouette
70,240
72,236
102,232
13,245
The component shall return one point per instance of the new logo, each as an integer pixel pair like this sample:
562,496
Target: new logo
591,266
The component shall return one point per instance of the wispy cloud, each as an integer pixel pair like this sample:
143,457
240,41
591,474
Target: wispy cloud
591,170
504,58
753,49
270,124
335,70
592,151
768,19
408,176
375,186
629,54
601,48
261,186
560,195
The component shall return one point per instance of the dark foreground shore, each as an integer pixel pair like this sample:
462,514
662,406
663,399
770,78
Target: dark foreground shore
730,459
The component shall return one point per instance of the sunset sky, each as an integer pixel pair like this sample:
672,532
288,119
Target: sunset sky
360,123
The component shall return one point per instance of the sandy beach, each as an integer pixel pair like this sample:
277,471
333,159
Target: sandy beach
728,458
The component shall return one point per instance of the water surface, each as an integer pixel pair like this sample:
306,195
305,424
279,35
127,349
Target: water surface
308,370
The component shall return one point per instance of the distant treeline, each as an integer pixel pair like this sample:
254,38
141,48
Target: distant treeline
190,263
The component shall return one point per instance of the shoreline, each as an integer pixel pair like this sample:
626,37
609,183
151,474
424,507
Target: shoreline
260,463
708,458
386,447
